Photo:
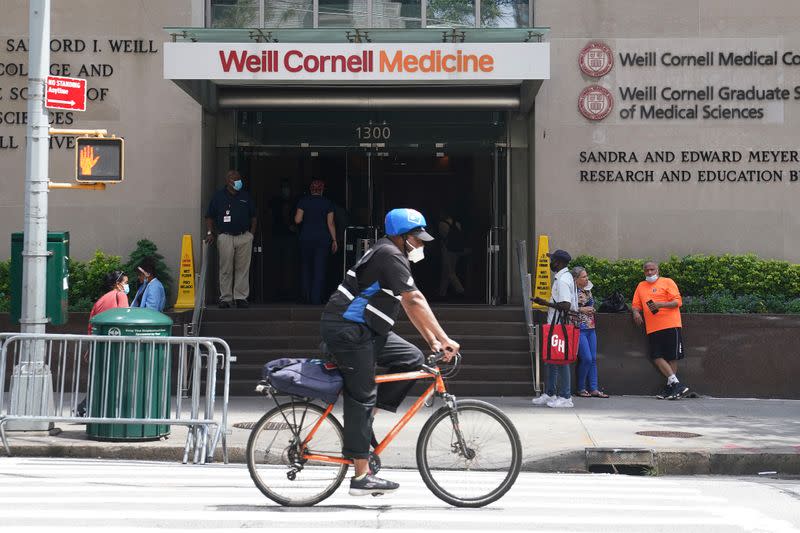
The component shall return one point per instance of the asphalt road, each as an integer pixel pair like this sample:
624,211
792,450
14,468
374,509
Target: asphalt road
83,495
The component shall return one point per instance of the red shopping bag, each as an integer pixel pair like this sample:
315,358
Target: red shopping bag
560,341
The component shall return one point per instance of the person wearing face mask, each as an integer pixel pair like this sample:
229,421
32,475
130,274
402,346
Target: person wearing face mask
116,285
117,289
563,299
231,218
357,327
151,293
656,304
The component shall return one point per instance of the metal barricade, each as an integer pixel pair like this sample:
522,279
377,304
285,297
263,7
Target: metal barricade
73,358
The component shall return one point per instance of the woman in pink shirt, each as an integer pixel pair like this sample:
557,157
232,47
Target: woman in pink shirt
117,285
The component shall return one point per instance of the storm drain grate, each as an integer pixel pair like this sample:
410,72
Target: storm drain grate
669,434
632,461
270,426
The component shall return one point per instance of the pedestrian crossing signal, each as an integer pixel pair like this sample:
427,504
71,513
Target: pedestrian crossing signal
99,159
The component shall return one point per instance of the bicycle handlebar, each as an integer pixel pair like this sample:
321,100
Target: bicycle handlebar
437,357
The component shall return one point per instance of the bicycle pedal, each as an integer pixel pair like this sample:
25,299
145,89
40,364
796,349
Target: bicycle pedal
376,494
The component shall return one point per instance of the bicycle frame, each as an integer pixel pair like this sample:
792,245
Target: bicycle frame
436,387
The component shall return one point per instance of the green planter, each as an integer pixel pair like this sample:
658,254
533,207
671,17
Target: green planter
138,376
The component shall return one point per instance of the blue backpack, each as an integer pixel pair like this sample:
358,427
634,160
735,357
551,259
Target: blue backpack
309,378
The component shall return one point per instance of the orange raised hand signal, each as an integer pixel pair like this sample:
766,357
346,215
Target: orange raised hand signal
88,160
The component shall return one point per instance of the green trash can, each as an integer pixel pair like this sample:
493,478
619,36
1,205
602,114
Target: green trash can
138,376
57,277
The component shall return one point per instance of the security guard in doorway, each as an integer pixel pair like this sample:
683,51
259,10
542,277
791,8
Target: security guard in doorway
357,328
231,216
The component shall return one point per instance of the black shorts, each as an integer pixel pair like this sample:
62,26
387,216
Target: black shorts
666,344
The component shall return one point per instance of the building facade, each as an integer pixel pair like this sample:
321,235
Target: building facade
619,128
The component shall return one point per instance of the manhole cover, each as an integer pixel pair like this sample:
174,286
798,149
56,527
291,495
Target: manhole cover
669,434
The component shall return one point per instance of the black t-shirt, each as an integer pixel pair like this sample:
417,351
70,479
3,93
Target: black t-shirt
389,267
232,213
385,269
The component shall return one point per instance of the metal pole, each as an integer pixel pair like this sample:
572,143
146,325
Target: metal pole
32,373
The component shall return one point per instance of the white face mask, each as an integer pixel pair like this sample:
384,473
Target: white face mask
651,279
126,288
415,255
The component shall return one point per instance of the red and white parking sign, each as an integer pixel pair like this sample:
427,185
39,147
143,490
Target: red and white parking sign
65,93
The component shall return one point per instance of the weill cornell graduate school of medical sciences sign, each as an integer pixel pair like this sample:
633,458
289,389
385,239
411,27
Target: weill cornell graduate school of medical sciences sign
357,62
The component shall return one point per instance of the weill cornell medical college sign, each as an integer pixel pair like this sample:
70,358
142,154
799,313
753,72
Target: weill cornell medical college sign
357,62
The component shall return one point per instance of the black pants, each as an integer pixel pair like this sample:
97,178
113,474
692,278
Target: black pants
357,351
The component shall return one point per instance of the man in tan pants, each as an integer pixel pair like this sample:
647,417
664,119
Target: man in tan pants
231,216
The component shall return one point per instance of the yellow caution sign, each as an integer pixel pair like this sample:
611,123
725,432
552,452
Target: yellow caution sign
186,278
541,287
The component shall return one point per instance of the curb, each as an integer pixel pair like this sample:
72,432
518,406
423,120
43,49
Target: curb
740,462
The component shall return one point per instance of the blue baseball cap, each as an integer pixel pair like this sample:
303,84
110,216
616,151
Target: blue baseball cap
406,221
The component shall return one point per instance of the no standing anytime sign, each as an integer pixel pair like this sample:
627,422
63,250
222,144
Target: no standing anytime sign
66,93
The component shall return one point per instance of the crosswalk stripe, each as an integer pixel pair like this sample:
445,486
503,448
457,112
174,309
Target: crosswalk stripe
73,495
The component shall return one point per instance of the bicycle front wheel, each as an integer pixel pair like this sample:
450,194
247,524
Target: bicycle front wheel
477,470
275,454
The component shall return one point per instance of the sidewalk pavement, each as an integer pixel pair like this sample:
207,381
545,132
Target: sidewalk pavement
735,436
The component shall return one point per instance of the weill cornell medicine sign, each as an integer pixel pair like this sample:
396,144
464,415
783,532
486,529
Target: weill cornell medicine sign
361,62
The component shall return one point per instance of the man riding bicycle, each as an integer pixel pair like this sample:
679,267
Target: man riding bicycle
357,328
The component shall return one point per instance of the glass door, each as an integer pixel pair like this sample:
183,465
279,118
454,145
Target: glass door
496,249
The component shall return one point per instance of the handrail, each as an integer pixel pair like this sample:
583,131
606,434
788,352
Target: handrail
200,298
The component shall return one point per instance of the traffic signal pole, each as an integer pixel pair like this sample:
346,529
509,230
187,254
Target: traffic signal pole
31,386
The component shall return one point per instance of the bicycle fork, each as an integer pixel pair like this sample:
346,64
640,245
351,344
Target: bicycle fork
460,446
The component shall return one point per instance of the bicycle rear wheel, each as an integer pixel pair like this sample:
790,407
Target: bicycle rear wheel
481,471
274,455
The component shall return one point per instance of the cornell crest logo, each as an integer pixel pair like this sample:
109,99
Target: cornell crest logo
596,59
595,102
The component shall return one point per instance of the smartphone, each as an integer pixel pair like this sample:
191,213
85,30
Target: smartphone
654,311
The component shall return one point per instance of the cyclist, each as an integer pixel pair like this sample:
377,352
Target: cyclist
357,328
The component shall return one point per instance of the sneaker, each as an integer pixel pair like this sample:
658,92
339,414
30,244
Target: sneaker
561,403
242,304
370,484
544,399
679,390
664,393
224,305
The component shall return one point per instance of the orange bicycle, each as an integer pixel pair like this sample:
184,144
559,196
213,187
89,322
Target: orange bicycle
468,452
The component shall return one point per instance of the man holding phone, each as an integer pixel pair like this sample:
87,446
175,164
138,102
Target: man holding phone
656,303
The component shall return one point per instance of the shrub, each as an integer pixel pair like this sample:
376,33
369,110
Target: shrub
145,248
709,284
87,279
5,286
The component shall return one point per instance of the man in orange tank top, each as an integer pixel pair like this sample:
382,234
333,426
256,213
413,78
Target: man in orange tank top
656,303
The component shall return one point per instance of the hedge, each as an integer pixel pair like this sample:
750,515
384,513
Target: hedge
86,278
709,284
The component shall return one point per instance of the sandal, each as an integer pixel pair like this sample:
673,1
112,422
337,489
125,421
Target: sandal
583,394
598,394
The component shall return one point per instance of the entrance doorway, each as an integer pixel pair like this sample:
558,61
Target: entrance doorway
458,181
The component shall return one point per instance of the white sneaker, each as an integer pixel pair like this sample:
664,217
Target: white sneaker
560,402
544,399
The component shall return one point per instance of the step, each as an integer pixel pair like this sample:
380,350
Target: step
471,372
313,313
478,357
465,389
227,329
468,342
